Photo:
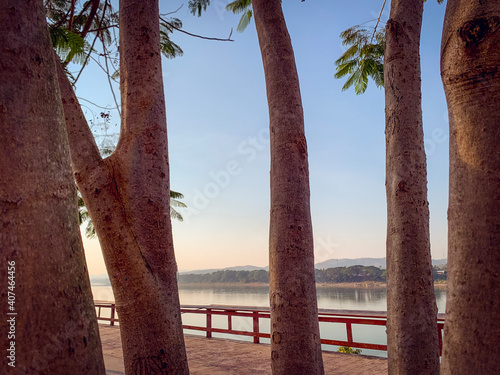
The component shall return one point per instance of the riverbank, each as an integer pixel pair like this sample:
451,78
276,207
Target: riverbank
363,285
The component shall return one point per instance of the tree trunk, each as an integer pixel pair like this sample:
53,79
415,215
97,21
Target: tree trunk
471,79
127,196
52,326
295,340
412,337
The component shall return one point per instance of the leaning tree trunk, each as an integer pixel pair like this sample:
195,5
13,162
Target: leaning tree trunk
295,340
470,56
46,298
412,336
127,196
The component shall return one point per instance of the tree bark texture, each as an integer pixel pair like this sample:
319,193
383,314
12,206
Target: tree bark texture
127,195
470,57
412,336
295,339
55,330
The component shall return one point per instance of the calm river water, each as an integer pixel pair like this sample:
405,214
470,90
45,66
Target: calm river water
372,299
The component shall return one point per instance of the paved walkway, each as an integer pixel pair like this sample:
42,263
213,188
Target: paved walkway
228,357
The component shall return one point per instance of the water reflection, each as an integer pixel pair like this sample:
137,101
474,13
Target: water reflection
372,299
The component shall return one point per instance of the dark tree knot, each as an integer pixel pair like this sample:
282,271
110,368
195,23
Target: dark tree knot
476,31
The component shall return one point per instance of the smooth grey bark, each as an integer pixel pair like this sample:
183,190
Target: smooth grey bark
412,336
127,196
295,339
55,329
470,56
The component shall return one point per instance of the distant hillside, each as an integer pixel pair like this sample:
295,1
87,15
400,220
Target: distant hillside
236,268
332,263
352,274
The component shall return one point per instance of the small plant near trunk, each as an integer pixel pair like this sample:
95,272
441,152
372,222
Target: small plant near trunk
348,350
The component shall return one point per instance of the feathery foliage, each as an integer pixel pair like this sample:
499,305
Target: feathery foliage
238,6
175,202
363,59
241,6
198,6
69,45
70,27
244,20
168,48
94,20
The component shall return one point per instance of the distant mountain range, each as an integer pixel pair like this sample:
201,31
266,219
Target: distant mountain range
332,263
377,262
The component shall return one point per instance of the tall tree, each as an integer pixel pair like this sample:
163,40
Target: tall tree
411,307
412,336
295,339
52,324
471,79
127,195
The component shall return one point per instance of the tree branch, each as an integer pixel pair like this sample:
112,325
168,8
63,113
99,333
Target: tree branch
102,28
90,19
93,42
71,14
199,36
109,78
378,21
83,148
175,11
96,105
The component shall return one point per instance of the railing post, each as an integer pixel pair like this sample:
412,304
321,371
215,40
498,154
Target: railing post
349,334
209,323
440,337
112,320
229,321
256,338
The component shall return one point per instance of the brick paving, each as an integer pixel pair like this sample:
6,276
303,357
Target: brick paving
227,357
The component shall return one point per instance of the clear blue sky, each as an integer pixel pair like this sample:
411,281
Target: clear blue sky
218,140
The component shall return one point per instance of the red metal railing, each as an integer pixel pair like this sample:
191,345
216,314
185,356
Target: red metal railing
347,317
107,305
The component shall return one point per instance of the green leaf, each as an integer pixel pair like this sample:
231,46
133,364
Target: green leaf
239,6
347,55
175,215
346,68
244,21
176,195
364,58
69,46
198,6
175,203
168,48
